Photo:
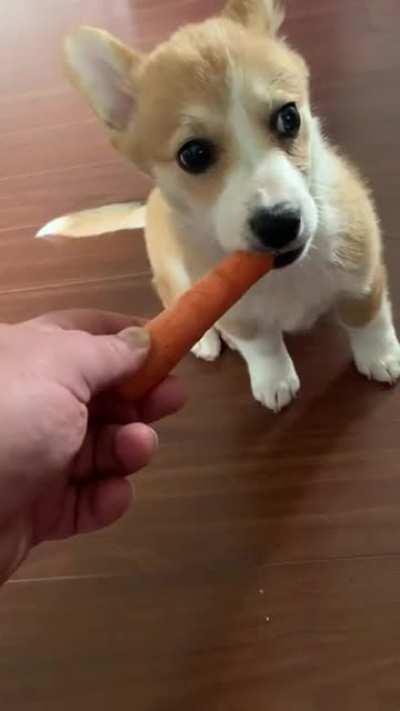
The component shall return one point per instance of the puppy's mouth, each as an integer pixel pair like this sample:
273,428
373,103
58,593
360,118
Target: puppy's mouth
284,259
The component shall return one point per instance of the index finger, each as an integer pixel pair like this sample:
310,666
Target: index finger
96,322
167,399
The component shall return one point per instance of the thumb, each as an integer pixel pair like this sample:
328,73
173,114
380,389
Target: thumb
105,360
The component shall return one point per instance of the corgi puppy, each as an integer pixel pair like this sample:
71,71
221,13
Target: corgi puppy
220,117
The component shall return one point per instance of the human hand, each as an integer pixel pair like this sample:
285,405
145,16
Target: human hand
67,440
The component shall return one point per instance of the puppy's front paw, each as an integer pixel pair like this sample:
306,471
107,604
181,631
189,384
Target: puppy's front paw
380,362
276,386
209,348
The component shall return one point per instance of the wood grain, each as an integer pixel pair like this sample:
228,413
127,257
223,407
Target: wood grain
260,566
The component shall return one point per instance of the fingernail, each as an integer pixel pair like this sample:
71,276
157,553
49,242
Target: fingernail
156,440
137,338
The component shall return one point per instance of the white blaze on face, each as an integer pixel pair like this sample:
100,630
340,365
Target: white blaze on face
259,177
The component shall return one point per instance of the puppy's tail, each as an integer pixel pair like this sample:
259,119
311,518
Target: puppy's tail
98,221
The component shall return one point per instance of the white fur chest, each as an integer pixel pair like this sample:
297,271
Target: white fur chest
292,299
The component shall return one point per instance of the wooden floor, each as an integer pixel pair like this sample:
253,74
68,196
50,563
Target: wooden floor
260,569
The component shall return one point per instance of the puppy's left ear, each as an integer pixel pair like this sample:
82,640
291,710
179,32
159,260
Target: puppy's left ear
260,15
104,70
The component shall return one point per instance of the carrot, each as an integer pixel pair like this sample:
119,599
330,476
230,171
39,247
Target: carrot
178,328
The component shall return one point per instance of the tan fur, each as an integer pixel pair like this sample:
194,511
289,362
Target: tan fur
194,68
357,312
360,249
259,15
163,252
167,248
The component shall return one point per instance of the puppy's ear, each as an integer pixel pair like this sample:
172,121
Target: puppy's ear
260,15
104,70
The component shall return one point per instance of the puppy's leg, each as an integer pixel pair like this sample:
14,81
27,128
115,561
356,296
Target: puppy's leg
209,347
166,251
274,380
169,287
374,343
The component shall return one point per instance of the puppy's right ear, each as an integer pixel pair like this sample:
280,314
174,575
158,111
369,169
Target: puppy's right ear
104,70
260,15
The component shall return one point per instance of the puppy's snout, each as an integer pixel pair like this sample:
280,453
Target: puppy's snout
276,227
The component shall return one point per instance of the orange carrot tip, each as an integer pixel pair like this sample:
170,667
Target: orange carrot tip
178,328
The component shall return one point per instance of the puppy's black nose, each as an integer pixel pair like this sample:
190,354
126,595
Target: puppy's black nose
276,227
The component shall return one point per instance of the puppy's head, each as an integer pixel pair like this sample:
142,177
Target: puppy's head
219,116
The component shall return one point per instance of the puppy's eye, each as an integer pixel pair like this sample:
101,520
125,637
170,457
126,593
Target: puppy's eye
287,121
197,156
